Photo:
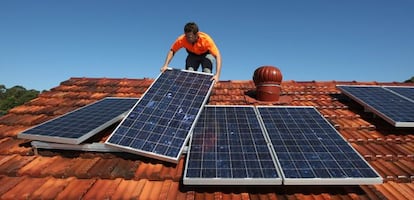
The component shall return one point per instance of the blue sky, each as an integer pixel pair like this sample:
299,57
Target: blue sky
43,43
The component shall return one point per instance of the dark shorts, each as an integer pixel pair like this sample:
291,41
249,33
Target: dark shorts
194,61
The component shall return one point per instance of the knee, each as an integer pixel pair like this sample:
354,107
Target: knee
207,70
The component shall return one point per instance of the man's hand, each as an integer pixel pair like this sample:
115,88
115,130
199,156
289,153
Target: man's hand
215,78
163,68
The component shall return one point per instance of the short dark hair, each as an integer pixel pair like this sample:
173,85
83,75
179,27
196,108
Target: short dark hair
191,27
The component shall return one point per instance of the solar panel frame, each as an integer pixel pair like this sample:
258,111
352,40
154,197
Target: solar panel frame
228,149
163,128
326,159
78,125
94,147
391,106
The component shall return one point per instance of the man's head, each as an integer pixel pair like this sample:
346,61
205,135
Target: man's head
190,31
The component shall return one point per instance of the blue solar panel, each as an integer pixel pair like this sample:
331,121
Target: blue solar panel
310,151
159,124
228,147
403,91
392,107
78,125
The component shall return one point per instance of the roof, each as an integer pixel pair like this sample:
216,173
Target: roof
59,174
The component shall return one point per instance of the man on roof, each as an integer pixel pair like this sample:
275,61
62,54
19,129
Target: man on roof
201,50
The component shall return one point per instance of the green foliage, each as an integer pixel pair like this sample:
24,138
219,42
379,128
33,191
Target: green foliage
15,96
410,80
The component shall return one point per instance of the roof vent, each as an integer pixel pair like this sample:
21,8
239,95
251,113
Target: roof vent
267,80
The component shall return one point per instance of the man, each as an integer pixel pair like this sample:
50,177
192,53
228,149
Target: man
201,51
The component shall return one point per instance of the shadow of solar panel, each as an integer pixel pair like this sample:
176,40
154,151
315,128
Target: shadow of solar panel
394,108
228,147
310,151
159,124
80,124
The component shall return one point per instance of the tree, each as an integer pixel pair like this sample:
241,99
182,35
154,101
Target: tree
410,80
15,96
2,90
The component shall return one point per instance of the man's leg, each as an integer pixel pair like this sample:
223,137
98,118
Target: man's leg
207,63
192,62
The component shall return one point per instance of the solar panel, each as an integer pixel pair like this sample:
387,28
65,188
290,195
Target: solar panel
310,151
403,91
386,103
159,124
80,124
228,147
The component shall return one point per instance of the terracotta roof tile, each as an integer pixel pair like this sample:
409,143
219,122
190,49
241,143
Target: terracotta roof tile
46,101
123,168
10,145
165,191
8,183
29,109
81,167
175,191
391,171
149,191
24,189
37,166
58,167
129,189
103,168
102,189
372,192
25,119
92,175
13,164
11,130
363,135
76,188
50,189
141,172
393,190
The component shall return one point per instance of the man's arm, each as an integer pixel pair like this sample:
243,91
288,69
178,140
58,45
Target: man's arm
168,59
218,71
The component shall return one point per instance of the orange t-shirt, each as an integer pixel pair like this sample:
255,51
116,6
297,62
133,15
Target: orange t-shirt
203,44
